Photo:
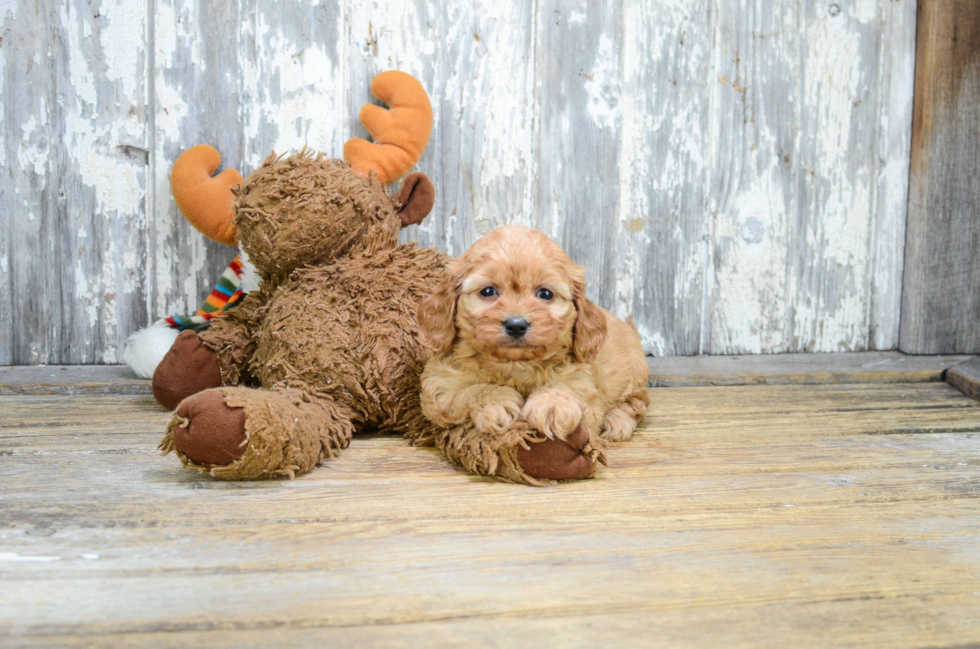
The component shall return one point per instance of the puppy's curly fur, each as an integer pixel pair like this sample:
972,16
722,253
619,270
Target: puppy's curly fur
515,338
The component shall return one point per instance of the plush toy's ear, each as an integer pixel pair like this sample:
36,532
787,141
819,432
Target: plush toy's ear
204,201
416,196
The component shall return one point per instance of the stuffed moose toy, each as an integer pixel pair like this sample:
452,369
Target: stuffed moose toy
328,344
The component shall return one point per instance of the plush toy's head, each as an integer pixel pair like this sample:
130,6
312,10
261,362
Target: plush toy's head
306,209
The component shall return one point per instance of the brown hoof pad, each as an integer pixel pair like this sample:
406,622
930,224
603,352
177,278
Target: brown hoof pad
211,433
555,459
188,368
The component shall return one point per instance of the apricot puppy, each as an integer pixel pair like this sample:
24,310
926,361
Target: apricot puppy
515,337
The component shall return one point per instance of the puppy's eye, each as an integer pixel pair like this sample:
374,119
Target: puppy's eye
545,294
488,291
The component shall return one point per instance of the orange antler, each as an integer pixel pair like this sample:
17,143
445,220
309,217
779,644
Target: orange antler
400,133
205,201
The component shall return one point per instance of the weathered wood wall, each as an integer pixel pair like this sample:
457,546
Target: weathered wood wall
733,173
941,301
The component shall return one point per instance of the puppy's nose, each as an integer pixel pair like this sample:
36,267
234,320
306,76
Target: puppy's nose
515,327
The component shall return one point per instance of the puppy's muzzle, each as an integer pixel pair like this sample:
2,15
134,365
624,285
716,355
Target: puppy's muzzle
516,327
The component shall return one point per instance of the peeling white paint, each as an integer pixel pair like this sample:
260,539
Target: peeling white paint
863,11
633,204
33,152
3,139
603,85
82,80
122,41
117,182
844,293
761,157
749,304
191,295
297,90
653,342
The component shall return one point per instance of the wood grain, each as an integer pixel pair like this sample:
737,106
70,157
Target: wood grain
745,516
792,369
808,179
72,379
733,174
197,84
941,297
671,371
247,80
73,149
966,377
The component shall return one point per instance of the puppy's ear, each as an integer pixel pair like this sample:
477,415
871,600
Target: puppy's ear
590,323
437,313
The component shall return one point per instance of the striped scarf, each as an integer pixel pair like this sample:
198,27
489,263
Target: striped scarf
225,294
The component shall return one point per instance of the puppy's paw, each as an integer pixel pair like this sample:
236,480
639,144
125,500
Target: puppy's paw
555,412
498,411
618,426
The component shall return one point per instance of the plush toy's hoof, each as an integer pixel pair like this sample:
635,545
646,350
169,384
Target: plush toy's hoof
555,459
209,432
188,368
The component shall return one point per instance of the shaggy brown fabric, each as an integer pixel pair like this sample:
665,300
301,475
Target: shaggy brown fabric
331,333
187,368
287,433
347,331
505,455
306,209
230,337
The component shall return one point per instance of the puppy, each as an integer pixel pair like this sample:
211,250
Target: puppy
514,337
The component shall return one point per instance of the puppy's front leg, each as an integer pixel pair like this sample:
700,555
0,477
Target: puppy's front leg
491,408
556,410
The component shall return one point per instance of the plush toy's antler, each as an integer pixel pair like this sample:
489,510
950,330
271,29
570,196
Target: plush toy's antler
205,201
400,133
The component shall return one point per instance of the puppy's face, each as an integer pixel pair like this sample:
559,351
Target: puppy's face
514,296
515,300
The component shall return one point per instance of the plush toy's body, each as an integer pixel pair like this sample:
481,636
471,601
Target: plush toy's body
334,346
330,334
328,344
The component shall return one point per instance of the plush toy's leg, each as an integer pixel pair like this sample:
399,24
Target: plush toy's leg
238,433
188,368
573,458
519,454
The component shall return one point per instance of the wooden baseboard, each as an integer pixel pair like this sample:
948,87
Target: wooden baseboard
798,369
966,377
675,371
71,379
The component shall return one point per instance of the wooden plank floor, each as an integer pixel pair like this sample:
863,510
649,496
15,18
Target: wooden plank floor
766,516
